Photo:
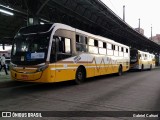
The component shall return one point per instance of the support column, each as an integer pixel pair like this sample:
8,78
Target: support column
33,7
123,12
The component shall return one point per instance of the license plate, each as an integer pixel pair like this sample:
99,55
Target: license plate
25,77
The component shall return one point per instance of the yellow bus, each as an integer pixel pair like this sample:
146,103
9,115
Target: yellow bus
141,60
54,53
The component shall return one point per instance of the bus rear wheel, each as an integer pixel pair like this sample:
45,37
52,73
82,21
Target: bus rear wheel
150,67
142,67
80,75
120,71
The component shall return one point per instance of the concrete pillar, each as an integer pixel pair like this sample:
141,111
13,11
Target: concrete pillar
33,6
32,20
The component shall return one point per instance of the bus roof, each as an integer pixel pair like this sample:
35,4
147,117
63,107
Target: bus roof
63,26
47,27
35,29
145,52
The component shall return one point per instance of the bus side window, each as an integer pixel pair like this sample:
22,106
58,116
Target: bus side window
53,53
122,49
61,45
81,43
64,48
139,56
146,57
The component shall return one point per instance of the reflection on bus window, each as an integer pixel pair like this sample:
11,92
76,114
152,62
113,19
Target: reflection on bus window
64,45
30,49
81,43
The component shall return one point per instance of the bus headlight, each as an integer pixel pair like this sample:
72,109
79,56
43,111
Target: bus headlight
42,68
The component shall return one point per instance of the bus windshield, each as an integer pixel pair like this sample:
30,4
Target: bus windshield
134,56
30,49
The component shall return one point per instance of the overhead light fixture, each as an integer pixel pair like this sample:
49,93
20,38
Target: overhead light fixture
6,12
42,23
6,7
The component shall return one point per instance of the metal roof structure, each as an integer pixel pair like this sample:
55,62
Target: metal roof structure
89,15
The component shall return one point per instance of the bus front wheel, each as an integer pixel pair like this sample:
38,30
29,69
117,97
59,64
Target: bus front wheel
80,75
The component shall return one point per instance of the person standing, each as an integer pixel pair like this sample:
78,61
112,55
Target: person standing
3,64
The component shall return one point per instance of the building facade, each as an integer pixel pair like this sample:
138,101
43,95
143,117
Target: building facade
140,30
156,39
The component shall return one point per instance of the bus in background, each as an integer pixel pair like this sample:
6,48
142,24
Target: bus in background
54,53
141,60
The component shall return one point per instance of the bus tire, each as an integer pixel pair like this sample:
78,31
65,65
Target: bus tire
142,67
120,70
80,75
150,67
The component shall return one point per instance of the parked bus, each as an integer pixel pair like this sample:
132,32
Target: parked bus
141,60
58,52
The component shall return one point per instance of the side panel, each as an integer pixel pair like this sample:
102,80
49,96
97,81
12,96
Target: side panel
65,72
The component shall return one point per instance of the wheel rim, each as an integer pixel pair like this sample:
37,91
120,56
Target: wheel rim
80,75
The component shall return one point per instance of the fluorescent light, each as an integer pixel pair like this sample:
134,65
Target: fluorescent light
6,12
42,23
45,20
6,7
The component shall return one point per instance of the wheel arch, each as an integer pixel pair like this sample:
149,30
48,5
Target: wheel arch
121,66
82,67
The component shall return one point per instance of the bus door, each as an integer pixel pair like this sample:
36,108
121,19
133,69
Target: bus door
53,60
63,51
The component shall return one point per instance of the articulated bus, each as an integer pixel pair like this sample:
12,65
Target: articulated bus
141,60
57,52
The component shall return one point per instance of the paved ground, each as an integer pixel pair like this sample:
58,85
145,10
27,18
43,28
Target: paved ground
134,91
4,77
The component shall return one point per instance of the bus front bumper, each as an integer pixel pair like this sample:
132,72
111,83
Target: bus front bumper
28,77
